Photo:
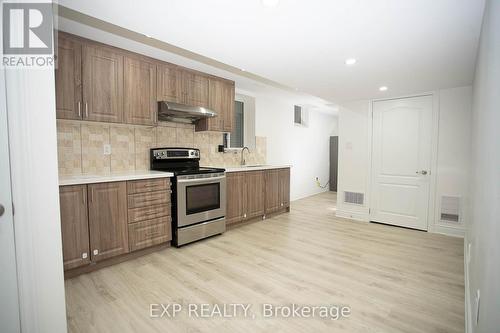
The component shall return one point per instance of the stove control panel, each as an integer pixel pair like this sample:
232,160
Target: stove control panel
175,153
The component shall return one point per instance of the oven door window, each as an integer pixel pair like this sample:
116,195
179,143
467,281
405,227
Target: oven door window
202,198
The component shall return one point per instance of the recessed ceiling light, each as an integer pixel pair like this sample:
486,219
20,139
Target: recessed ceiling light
270,3
149,36
383,88
243,70
350,61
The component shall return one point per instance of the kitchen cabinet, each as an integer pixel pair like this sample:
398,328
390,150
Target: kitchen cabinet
221,100
149,213
108,220
235,194
139,100
169,83
245,195
68,76
102,83
254,194
277,190
74,226
195,88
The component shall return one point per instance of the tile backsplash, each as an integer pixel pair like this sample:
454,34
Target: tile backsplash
80,146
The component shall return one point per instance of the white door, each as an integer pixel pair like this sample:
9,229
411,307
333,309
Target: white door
401,155
9,302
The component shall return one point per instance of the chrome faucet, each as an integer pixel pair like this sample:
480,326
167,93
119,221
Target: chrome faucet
243,162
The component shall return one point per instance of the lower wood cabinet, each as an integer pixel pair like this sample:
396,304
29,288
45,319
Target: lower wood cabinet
252,194
108,220
105,220
74,226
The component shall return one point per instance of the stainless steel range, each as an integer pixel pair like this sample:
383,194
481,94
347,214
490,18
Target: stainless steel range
198,194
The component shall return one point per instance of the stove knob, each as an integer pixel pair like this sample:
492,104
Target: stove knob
191,153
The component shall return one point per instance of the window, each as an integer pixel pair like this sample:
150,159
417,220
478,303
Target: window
238,134
243,133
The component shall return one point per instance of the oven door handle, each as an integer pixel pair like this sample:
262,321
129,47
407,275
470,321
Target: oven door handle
197,180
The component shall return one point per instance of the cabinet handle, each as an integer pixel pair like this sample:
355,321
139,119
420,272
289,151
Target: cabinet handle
86,110
91,195
79,109
83,196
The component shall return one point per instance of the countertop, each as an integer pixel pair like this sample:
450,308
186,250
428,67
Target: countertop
254,168
114,177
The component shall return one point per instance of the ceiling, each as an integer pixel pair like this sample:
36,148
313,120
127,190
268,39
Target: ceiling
409,46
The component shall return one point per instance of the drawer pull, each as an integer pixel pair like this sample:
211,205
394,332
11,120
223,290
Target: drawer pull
153,234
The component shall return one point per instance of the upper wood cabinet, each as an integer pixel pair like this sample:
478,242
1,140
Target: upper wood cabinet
139,100
69,78
108,220
195,88
169,83
74,226
221,100
102,83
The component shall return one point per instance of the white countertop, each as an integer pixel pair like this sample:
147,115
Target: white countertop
114,177
254,168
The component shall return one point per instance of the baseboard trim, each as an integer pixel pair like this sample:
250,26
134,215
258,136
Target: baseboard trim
447,230
468,311
352,215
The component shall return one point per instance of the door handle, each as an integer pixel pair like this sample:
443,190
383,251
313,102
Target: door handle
2,210
423,172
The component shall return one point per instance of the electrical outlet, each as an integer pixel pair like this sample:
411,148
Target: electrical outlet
317,182
107,149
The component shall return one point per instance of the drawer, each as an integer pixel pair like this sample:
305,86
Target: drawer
148,213
148,185
148,199
148,233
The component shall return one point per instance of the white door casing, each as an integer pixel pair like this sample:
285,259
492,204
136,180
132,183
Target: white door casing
401,161
9,299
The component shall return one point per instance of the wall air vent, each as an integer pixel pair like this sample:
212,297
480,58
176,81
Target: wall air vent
450,209
354,198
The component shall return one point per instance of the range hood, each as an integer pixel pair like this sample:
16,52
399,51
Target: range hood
170,111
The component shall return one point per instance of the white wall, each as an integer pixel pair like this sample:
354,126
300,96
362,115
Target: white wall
453,155
305,148
35,194
483,228
354,154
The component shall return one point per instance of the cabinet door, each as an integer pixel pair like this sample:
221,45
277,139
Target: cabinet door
273,200
169,83
216,103
69,78
254,194
195,89
235,194
227,106
284,192
74,226
102,83
140,91
108,220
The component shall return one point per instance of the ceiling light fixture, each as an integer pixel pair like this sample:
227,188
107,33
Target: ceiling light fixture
243,70
383,88
270,3
350,61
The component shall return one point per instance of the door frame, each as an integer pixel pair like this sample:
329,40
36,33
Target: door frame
434,154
